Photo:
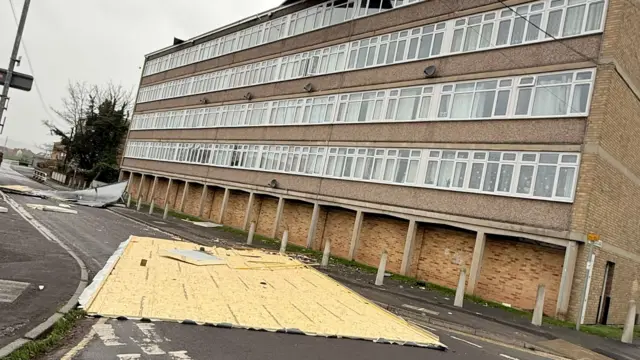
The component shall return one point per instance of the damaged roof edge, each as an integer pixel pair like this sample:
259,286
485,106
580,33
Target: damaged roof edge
284,5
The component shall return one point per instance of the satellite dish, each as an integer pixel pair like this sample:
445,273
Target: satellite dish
429,71
273,183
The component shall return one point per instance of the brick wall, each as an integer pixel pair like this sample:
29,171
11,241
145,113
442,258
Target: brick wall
216,203
621,40
444,251
512,270
133,186
160,192
236,207
208,201
174,194
192,201
338,228
296,216
381,233
254,214
267,216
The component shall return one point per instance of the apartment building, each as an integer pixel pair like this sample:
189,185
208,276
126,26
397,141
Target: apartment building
485,135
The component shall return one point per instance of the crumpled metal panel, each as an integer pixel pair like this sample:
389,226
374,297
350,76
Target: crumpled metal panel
96,197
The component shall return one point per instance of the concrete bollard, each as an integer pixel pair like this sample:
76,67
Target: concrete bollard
627,333
459,299
166,210
129,200
538,311
327,253
381,269
252,230
283,243
139,203
151,207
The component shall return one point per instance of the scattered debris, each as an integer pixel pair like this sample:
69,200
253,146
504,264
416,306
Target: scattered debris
507,305
3,209
40,287
51,208
387,274
422,288
102,196
205,224
194,257
450,313
65,206
159,222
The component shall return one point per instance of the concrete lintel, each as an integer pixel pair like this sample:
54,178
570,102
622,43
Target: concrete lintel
247,212
355,235
409,245
476,262
566,280
223,206
276,222
311,235
556,237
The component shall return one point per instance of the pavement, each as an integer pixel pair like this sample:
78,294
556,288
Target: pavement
94,234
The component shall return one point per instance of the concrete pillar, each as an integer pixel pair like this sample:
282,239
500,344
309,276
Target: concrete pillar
314,224
327,253
184,196
252,231
278,218
355,235
247,212
566,280
538,311
223,206
128,200
140,193
202,198
283,243
121,176
459,299
166,199
151,193
407,254
476,262
381,269
627,332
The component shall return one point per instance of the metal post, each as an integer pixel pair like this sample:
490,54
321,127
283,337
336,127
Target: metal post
14,58
585,288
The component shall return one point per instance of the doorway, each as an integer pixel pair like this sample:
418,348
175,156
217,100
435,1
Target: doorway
605,298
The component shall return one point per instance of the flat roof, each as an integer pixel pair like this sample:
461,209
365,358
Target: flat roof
284,5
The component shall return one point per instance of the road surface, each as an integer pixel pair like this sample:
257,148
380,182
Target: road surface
95,233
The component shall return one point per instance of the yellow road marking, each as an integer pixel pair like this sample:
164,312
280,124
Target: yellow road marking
83,343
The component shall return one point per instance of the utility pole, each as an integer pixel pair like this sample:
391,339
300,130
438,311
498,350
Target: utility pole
14,58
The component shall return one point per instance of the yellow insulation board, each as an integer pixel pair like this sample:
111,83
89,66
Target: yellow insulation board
253,289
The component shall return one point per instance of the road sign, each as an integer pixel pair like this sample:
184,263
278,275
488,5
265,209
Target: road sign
18,80
593,237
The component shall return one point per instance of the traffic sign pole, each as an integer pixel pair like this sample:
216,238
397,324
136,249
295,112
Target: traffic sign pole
594,240
13,59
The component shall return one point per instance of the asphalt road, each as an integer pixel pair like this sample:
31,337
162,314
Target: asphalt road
95,233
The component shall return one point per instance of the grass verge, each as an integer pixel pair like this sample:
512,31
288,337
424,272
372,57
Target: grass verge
51,340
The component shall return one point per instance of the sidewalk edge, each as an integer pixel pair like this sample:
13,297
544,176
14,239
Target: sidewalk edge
43,327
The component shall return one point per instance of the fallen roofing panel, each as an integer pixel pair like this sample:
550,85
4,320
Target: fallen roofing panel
96,197
252,290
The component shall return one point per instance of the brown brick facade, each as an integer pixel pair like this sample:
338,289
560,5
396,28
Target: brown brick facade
512,271
380,234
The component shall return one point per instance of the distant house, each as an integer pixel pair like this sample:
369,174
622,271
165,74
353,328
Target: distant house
58,152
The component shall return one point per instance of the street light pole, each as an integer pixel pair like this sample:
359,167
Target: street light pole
14,58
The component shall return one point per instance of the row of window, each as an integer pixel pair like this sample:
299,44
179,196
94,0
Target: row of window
478,32
326,14
539,175
550,94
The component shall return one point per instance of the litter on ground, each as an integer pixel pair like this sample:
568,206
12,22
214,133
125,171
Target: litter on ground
51,208
3,209
96,197
252,289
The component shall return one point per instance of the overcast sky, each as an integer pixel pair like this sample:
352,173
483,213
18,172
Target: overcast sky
97,41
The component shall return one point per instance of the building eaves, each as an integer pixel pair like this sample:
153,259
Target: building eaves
286,4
